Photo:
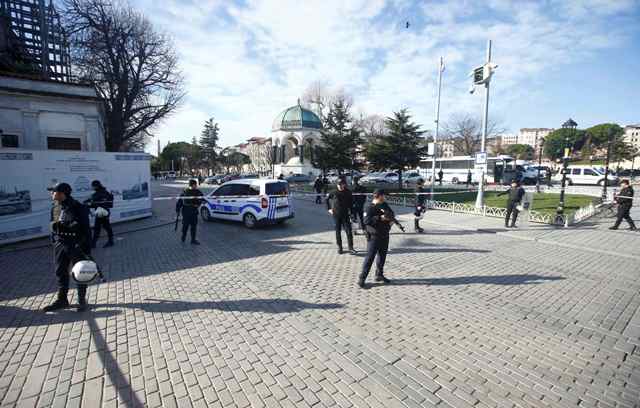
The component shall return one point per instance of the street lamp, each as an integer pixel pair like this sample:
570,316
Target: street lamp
606,166
568,125
540,145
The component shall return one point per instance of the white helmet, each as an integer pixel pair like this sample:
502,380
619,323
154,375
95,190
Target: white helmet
84,271
101,212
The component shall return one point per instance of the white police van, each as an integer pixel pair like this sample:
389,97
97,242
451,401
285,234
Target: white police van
251,201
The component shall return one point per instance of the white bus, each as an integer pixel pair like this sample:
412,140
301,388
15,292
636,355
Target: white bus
500,169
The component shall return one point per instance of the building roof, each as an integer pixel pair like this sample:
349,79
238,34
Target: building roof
296,117
536,129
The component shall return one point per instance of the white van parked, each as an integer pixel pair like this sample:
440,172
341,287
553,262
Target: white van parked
586,175
250,201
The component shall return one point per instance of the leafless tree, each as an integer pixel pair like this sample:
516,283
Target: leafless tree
133,67
319,97
465,131
372,126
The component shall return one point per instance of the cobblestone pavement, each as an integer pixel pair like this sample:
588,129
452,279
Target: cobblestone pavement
477,317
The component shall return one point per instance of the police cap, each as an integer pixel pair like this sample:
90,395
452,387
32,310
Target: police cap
61,188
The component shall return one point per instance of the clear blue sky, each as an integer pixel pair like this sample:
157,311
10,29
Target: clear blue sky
246,61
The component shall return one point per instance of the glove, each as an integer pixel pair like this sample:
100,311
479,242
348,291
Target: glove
55,227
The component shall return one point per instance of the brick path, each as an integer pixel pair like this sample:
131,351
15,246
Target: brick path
478,316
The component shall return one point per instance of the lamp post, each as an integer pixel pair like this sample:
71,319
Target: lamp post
569,125
606,165
435,136
540,145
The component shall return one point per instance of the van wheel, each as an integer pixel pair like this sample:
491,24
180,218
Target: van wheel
454,180
569,182
601,182
249,220
205,214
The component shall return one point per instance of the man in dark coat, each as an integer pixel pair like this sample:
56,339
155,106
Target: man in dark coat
189,202
71,236
378,219
625,202
440,175
339,205
359,198
101,198
421,200
515,193
318,187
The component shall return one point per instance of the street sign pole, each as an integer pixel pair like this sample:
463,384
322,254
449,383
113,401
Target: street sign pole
435,137
480,196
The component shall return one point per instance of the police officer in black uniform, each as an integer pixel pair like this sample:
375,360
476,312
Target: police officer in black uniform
421,199
516,192
440,175
377,220
359,198
189,202
625,202
101,198
71,236
339,205
318,187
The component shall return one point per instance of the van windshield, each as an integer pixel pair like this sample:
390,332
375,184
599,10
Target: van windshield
277,188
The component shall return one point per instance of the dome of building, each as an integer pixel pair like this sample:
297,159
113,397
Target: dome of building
296,117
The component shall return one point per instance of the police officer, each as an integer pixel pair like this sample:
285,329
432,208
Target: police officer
516,192
421,199
359,198
71,236
104,199
440,175
339,205
625,202
377,220
318,187
189,202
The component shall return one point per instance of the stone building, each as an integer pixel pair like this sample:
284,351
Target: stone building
294,135
533,136
259,151
42,114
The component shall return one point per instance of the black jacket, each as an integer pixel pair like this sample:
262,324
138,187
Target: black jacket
70,224
421,197
515,195
100,198
625,197
361,198
340,202
318,186
189,201
373,221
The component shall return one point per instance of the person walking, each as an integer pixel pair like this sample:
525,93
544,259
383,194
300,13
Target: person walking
421,199
359,199
71,237
625,202
515,193
189,202
339,205
317,187
440,175
469,178
378,219
102,201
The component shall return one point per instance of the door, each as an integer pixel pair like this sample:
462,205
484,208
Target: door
220,202
590,176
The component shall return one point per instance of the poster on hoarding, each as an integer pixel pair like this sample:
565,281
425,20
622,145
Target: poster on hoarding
25,203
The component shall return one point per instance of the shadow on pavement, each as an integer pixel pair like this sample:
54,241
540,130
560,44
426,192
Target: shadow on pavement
521,279
13,316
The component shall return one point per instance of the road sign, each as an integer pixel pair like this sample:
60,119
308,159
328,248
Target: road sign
481,158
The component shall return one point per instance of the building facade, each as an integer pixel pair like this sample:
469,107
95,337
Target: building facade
507,139
632,135
259,151
49,115
533,136
294,136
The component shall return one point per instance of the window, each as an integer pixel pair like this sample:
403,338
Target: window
254,190
63,143
589,172
575,172
10,140
278,188
224,190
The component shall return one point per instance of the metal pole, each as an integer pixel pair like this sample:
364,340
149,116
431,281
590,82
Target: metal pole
539,164
435,137
480,196
565,162
606,168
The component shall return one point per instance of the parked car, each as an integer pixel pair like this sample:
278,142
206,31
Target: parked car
250,201
412,177
586,175
298,178
214,179
230,177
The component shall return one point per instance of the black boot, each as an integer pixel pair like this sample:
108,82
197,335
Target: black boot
61,302
381,278
82,298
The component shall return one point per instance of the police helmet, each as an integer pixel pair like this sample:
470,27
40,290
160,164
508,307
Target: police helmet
101,212
84,272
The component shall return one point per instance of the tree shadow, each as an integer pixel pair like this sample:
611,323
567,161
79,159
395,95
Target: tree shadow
14,316
517,279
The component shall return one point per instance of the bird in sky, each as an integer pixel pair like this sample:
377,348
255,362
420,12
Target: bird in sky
407,25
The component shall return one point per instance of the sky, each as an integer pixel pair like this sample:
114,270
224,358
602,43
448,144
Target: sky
246,61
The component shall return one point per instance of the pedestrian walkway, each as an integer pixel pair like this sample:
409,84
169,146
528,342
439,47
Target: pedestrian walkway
476,317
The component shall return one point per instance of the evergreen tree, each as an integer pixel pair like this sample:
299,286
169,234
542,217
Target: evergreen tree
401,146
209,141
340,140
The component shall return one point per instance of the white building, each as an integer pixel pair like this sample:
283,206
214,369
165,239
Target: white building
533,136
295,133
509,139
632,135
49,115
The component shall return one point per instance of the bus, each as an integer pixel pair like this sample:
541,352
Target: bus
500,169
